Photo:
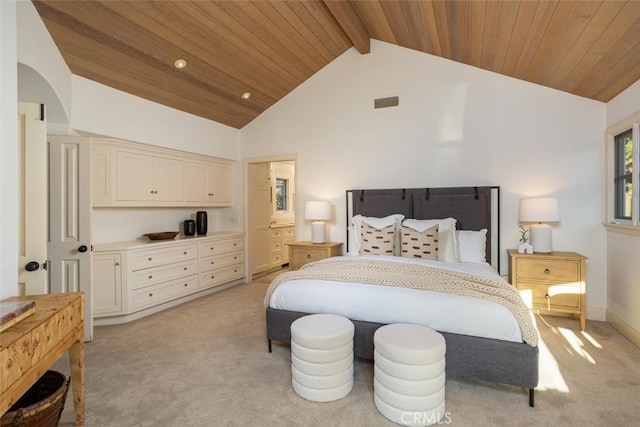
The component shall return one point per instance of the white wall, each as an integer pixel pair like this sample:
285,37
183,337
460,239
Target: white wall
37,50
8,150
623,251
455,125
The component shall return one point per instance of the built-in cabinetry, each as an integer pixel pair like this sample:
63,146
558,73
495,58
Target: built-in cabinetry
134,279
131,174
280,238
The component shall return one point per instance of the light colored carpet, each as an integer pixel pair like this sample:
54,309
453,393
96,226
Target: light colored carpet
205,363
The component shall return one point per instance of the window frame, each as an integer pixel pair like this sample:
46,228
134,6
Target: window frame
622,225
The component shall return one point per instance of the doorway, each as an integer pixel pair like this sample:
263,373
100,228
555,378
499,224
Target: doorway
270,213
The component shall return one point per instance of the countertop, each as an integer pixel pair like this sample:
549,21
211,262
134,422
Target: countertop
145,243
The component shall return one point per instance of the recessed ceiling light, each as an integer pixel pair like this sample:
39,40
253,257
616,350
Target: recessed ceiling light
246,95
180,63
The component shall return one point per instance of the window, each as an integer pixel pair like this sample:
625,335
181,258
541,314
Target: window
281,194
623,178
623,175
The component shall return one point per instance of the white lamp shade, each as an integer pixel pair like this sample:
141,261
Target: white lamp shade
317,211
540,211
544,209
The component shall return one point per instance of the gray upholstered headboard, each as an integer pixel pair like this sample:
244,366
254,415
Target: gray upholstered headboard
474,208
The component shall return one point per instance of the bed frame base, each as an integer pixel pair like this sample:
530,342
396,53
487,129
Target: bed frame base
484,359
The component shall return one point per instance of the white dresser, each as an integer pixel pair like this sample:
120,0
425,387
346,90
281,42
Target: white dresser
135,279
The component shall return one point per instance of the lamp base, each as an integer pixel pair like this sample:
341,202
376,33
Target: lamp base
541,238
318,232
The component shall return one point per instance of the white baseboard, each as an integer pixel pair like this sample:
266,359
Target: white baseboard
624,328
126,318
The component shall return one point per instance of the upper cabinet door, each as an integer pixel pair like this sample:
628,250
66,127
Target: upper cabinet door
167,179
196,182
219,184
134,177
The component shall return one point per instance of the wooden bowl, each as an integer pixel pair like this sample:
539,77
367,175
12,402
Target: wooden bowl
165,235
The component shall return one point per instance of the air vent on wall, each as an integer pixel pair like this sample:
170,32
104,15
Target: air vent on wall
391,101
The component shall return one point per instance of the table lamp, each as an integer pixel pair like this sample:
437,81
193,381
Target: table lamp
540,211
318,212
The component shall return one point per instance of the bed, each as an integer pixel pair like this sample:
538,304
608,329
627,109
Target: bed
501,357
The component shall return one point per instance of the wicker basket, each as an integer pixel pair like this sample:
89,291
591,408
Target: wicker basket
41,405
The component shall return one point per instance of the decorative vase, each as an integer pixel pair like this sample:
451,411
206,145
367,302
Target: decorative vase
189,227
201,223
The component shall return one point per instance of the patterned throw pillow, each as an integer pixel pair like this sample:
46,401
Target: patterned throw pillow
377,242
417,244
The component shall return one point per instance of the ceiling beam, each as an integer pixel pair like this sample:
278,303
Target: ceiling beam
350,21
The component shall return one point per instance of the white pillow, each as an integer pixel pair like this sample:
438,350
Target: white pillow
447,247
377,223
472,246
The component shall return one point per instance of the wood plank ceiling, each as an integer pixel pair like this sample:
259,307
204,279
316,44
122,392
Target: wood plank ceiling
268,48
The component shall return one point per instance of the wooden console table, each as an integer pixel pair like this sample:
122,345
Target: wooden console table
29,348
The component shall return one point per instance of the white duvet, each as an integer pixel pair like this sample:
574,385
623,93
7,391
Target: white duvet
392,304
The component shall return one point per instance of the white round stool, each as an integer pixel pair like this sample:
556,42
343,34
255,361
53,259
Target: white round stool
409,374
322,357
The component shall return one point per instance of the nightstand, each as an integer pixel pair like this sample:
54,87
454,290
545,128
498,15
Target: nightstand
553,282
301,253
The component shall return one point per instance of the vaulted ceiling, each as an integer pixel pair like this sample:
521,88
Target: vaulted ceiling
268,48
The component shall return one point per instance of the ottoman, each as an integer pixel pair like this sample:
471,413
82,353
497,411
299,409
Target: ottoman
409,374
322,357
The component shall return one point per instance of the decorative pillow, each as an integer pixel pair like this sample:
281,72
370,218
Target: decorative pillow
378,242
416,244
447,247
472,246
355,231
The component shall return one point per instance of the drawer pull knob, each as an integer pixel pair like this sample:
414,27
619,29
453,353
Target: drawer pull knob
211,247
116,264
150,277
150,295
186,284
547,271
184,253
213,262
185,269
547,296
213,277
308,256
149,259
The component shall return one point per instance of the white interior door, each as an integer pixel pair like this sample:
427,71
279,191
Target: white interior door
70,220
259,208
32,203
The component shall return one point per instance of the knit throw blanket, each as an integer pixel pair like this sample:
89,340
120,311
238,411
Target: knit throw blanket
390,273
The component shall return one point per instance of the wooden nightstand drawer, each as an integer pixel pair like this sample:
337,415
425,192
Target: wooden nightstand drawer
548,270
550,297
304,256
301,253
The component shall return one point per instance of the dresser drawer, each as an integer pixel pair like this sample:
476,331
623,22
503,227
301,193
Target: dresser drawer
548,270
276,233
221,276
276,257
219,261
276,246
554,297
215,247
151,276
154,257
154,295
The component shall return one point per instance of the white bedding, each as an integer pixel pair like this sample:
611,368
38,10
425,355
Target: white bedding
391,304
